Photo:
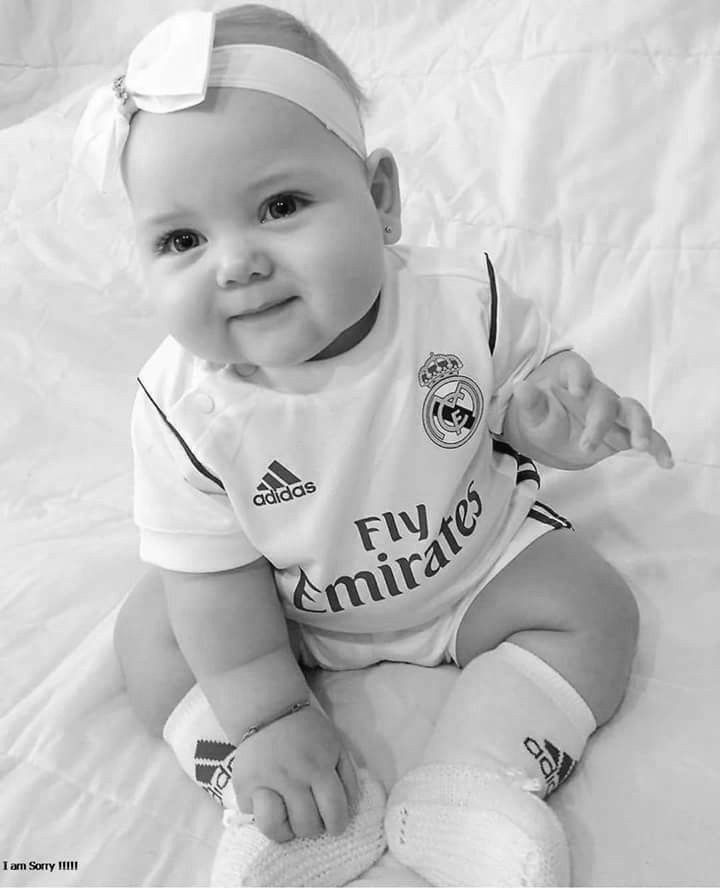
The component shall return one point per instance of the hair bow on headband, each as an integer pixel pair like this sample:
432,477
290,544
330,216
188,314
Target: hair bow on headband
167,71
171,69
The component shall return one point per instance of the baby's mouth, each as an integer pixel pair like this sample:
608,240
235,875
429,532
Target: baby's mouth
266,310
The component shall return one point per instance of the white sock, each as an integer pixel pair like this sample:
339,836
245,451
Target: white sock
245,856
471,814
201,746
513,706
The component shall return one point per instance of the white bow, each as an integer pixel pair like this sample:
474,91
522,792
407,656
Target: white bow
167,71
171,68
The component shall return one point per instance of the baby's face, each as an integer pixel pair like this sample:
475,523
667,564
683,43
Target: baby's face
259,237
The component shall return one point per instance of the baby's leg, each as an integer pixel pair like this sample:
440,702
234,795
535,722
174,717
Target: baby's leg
546,650
560,600
166,698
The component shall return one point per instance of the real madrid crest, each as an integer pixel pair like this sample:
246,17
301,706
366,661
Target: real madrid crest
454,406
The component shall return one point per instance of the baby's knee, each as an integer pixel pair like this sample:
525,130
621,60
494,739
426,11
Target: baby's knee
592,605
610,610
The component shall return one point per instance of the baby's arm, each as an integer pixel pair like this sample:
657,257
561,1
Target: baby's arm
231,629
548,403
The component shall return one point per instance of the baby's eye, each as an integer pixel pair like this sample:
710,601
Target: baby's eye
281,206
177,242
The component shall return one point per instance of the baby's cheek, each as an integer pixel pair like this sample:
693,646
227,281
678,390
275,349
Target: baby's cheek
182,315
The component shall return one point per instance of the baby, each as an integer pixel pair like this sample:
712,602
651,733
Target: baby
334,454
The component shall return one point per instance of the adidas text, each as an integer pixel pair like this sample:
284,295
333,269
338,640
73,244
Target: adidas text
284,495
555,765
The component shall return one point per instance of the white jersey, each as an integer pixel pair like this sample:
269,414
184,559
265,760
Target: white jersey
373,482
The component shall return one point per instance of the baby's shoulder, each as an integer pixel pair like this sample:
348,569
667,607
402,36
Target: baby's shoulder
169,374
444,263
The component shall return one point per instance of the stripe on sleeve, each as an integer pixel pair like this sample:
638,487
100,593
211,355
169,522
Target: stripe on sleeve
504,447
528,475
551,515
553,512
526,468
190,455
545,519
492,335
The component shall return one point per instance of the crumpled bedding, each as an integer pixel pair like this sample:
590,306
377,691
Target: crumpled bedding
575,142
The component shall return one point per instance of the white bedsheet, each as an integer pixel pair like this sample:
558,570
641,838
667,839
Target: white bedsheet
577,142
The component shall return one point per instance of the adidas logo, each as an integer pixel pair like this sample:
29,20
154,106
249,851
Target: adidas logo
280,485
555,765
213,766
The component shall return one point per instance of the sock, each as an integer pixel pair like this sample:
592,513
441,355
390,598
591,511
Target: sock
245,856
510,732
201,747
513,706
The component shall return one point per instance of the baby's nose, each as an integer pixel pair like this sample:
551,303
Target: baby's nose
239,266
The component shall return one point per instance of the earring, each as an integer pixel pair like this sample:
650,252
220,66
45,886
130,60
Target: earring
388,229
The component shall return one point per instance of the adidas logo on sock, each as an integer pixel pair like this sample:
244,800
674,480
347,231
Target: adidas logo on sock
280,485
555,765
213,766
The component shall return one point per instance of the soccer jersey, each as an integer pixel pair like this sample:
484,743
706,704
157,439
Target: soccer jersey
374,482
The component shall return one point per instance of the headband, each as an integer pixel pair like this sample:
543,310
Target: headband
171,69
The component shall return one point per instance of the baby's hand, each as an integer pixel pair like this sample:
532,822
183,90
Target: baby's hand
295,777
571,420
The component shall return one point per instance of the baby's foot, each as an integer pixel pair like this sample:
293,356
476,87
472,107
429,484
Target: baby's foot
461,825
246,857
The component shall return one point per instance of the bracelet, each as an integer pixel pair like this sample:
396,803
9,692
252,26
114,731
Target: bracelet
291,710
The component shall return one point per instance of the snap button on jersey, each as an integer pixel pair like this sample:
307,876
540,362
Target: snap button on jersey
204,403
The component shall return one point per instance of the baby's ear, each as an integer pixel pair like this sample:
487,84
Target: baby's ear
384,182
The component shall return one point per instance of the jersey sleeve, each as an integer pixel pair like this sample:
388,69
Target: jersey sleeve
185,519
520,339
